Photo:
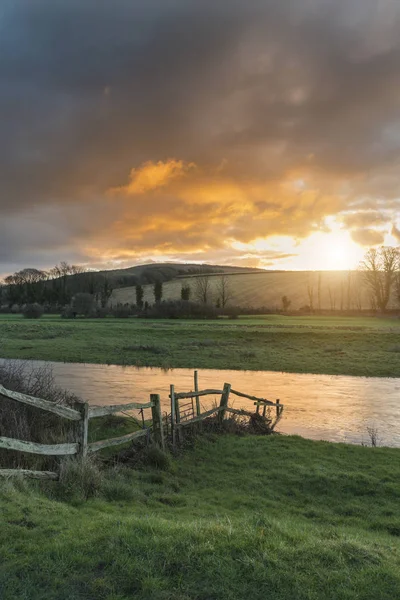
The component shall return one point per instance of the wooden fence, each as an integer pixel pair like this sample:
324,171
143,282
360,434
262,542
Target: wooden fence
81,413
177,423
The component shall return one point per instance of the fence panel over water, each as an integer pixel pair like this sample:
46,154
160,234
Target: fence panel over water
182,416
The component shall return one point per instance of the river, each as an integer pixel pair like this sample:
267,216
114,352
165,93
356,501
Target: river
322,407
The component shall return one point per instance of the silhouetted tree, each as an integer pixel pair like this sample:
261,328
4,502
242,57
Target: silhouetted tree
286,303
139,296
186,293
158,291
82,304
224,290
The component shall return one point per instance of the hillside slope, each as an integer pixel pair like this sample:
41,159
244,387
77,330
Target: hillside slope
328,289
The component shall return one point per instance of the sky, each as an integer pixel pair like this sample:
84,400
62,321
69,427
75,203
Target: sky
259,133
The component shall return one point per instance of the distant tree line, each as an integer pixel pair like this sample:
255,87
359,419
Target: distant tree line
75,292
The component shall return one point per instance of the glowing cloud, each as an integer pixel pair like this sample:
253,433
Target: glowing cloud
151,176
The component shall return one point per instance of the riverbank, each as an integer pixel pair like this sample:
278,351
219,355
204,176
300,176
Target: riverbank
234,517
322,345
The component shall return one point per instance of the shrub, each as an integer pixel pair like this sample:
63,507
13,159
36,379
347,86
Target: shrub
15,309
123,311
154,457
82,304
98,312
80,479
180,309
32,311
67,313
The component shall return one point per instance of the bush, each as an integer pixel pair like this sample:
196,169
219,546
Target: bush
180,309
123,311
32,311
80,479
154,457
82,304
67,313
98,312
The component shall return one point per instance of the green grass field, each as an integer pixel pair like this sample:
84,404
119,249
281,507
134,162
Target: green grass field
235,517
331,345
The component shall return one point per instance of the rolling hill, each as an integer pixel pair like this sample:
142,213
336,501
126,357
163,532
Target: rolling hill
325,289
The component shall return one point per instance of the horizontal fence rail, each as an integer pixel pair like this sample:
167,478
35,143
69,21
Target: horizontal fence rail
118,441
183,395
261,400
202,416
101,411
57,409
27,473
35,448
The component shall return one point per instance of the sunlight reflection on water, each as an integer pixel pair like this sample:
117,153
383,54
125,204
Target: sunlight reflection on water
328,407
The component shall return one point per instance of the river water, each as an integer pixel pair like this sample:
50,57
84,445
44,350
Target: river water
322,407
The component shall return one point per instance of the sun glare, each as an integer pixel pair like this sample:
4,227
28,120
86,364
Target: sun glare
333,250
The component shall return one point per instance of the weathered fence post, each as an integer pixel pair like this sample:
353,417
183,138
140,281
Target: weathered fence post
178,418
158,428
278,408
224,401
82,428
264,410
196,389
173,425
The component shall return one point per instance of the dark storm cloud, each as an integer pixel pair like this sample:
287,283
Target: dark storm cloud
306,89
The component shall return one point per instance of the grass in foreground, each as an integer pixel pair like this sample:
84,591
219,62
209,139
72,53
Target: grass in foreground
338,346
233,518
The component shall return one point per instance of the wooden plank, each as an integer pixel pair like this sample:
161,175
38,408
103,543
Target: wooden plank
203,415
265,403
26,473
235,411
242,395
102,411
34,448
52,407
123,439
183,395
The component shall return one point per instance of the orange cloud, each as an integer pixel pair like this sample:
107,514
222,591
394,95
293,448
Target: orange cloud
151,176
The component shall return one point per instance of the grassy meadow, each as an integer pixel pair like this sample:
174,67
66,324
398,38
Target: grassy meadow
309,520
363,346
329,289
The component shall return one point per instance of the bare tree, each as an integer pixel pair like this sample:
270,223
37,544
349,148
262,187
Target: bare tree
380,267
349,296
319,290
310,294
286,303
341,295
224,290
332,297
202,288
358,296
